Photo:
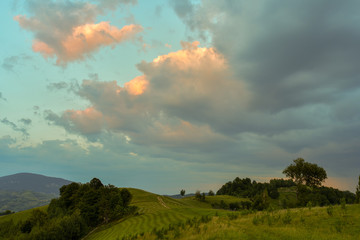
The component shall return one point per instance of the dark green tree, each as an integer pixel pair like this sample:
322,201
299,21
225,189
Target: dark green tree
182,192
306,173
199,196
211,193
96,183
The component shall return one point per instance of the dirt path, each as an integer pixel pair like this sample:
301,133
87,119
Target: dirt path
161,201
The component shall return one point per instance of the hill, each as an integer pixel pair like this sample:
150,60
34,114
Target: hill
156,212
23,191
161,217
32,182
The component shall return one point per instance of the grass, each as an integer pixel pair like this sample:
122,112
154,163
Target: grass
23,215
162,217
157,212
297,224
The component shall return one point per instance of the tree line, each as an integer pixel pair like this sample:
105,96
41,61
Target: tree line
306,178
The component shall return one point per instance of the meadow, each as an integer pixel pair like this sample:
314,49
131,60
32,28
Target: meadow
165,218
160,217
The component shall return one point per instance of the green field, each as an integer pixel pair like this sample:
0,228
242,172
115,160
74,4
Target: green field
156,212
296,224
20,216
160,217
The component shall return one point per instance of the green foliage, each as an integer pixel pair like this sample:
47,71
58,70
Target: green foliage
182,192
96,203
199,196
303,172
322,196
309,205
249,189
211,193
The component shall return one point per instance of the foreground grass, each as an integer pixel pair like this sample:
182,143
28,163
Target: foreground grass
165,218
304,224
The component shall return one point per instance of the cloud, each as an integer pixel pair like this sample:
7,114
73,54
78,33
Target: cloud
15,127
72,33
178,92
2,97
291,54
158,11
25,121
57,86
10,62
277,82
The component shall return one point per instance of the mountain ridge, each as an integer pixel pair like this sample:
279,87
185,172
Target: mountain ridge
32,182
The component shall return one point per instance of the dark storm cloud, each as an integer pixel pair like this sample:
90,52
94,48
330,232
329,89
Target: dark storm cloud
291,53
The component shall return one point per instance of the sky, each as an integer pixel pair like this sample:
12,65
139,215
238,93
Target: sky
166,95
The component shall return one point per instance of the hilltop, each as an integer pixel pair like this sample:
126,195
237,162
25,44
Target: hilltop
32,182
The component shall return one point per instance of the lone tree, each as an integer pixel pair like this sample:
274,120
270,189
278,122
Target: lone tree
182,192
303,172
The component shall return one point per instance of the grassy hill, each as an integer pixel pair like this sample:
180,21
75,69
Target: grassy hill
162,217
157,212
20,216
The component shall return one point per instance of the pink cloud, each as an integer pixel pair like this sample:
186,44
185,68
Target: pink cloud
68,32
137,86
86,39
87,121
170,104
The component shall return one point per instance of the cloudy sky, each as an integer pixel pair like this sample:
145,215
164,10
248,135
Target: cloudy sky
169,94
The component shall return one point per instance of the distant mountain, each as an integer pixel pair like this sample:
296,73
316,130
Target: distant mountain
23,191
32,182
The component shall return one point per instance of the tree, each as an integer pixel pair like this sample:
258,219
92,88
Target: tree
358,192
182,192
199,196
303,172
211,193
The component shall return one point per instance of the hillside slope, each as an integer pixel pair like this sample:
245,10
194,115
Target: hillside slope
157,212
23,191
